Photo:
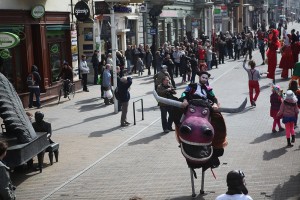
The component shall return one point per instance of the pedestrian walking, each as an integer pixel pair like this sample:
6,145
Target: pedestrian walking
140,66
124,97
95,61
106,84
7,189
194,67
148,60
166,90
85,70
253,76
236,187
129,59
289,110
33,82
276,100
295,88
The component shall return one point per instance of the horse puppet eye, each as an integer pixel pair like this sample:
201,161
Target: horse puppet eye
204,112
192,110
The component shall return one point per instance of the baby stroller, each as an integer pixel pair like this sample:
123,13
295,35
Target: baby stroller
214,61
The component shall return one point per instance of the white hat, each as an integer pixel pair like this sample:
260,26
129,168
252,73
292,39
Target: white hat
290,97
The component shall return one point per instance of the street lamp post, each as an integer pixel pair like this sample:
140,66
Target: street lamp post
154,12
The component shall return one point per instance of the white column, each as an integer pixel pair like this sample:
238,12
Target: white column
114,50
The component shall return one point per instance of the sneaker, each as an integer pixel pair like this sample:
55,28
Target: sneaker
171,129
127,123
274,131
290,145
253,103
166,131
281,129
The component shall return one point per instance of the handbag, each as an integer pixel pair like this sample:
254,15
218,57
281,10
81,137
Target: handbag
108,94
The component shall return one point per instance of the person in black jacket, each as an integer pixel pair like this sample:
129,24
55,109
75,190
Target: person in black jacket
124,97
95,61
35,88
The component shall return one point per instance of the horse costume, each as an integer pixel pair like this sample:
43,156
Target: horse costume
201,133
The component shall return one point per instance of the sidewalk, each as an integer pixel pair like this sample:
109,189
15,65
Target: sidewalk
100,160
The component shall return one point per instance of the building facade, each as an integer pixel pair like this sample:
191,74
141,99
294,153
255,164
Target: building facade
44,32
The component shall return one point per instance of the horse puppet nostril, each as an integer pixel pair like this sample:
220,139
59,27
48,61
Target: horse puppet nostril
208,132
185,129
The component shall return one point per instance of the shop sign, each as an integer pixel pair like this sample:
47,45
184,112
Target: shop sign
8,40
153,31
38,11
81,11
5,54
122,9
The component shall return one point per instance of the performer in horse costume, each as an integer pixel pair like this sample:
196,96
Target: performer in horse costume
200,127
273,45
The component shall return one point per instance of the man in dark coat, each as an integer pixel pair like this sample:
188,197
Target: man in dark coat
124,97
95,61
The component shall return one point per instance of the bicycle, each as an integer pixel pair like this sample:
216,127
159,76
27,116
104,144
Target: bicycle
67,94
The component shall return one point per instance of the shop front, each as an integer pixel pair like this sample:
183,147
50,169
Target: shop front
44,41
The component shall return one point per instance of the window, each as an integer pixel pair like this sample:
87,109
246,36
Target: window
57,51
11,59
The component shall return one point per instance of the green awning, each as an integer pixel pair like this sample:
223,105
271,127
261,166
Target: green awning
58,27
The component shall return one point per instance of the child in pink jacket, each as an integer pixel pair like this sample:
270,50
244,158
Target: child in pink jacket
289,110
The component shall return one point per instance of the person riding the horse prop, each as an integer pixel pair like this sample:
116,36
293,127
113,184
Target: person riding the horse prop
200,127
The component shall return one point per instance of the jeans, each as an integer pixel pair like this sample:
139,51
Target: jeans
35,91
208,63
193,77
128,66
124,112
166,123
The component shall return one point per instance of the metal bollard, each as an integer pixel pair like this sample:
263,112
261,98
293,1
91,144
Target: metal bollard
142,105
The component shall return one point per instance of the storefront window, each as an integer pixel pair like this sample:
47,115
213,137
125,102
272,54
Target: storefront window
131,34
175,29
11,60
57,51
161,31
180,30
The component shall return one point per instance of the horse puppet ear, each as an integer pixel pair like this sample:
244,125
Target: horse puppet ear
218,123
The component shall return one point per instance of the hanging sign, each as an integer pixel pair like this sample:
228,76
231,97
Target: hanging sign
82,11
8,40
38,11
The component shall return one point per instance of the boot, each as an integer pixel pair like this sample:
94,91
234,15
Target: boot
289,142
293,138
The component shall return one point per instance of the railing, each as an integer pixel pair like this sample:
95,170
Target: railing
134,110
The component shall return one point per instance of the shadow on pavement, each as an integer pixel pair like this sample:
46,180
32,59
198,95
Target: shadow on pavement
276,153
85,120
101,133
153,108
22,173
249,108
289,189
268,136
86,101
90,107
147,82
147,140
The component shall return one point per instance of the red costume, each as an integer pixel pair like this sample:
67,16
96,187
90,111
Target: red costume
287,61
273,45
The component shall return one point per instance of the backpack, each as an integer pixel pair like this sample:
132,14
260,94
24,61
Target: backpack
30,80
116,93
